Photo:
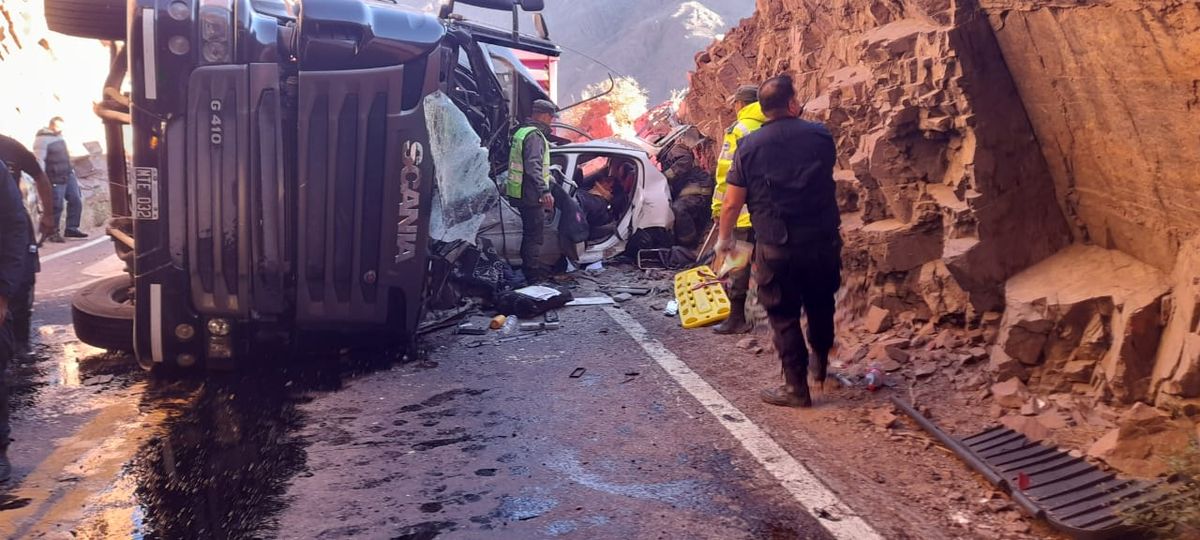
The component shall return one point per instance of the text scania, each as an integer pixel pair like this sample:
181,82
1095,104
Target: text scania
410,201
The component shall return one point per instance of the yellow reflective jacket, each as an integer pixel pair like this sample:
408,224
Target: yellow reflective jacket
750,118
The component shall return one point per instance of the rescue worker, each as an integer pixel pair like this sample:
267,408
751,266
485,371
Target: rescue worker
20,160
528,184
750,119
52,155
784,173
14,246
597,207
691,188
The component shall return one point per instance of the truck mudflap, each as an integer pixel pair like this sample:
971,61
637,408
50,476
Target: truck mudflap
365,186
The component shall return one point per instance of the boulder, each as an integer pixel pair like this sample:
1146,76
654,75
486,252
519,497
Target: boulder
1004,366
1086,312
878,320
1144,442
1011,393
941,291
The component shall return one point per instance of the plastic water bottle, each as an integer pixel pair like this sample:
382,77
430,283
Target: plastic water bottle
511,325
873,378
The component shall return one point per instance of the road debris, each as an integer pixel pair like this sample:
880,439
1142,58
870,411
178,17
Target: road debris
539,326
578,372
591,301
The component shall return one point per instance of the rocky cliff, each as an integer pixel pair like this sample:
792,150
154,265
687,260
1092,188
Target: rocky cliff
1026,168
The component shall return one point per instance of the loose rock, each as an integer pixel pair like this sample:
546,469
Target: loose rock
1011,393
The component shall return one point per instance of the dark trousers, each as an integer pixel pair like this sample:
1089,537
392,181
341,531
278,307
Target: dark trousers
739,280
73,197
533,228
692,216
794,280
7,351
21,306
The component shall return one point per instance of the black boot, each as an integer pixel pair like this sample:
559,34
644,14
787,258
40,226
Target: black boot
818,368
736,323
793,393
788,396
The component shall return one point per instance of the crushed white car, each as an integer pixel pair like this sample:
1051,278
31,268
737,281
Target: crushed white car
642,205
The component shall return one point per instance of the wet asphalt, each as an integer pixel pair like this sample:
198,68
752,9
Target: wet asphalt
474,440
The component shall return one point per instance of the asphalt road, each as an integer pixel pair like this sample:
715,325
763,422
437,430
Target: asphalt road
478,440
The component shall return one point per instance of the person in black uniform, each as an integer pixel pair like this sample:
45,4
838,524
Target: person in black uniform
20,160
14,246
784,173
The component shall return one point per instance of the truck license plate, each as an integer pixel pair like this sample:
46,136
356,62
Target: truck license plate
145,193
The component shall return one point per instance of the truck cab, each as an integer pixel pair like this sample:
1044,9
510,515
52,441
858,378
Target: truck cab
278,170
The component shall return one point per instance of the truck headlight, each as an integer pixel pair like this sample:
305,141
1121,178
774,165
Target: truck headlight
219,327
216,31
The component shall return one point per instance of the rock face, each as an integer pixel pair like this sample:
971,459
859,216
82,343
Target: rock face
977,139
946,191
1113,89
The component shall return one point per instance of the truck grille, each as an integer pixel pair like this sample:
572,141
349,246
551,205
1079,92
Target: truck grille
340,227
217,189
351,127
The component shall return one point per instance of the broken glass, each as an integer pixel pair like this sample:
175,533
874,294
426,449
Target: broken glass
463,193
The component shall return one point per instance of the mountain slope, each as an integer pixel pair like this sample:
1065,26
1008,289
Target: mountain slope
653,41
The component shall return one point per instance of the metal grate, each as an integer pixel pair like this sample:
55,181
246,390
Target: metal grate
1074,495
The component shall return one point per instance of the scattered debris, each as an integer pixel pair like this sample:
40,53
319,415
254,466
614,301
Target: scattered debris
636,291
622,298
539,326
672,308
748,343
591,301
884,417
578,372
498,322
98,379
472,328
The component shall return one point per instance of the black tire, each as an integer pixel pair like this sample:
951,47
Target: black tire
95,19
102,313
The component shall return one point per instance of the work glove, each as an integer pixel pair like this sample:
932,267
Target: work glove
724,246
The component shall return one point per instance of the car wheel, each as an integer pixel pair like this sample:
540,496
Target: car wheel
102,314
95,19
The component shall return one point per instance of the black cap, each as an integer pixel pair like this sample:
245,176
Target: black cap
543,106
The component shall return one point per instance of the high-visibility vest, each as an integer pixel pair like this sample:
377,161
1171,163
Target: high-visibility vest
516,162
750,118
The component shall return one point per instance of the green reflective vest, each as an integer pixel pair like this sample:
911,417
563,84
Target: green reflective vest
516,162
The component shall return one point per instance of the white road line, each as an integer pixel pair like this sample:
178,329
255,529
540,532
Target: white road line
813,495
75,249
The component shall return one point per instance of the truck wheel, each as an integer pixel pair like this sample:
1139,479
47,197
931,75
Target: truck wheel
103,314
95,19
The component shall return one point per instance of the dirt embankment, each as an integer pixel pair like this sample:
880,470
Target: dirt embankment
1013,171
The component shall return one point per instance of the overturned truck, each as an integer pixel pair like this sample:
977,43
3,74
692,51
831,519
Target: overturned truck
271,166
